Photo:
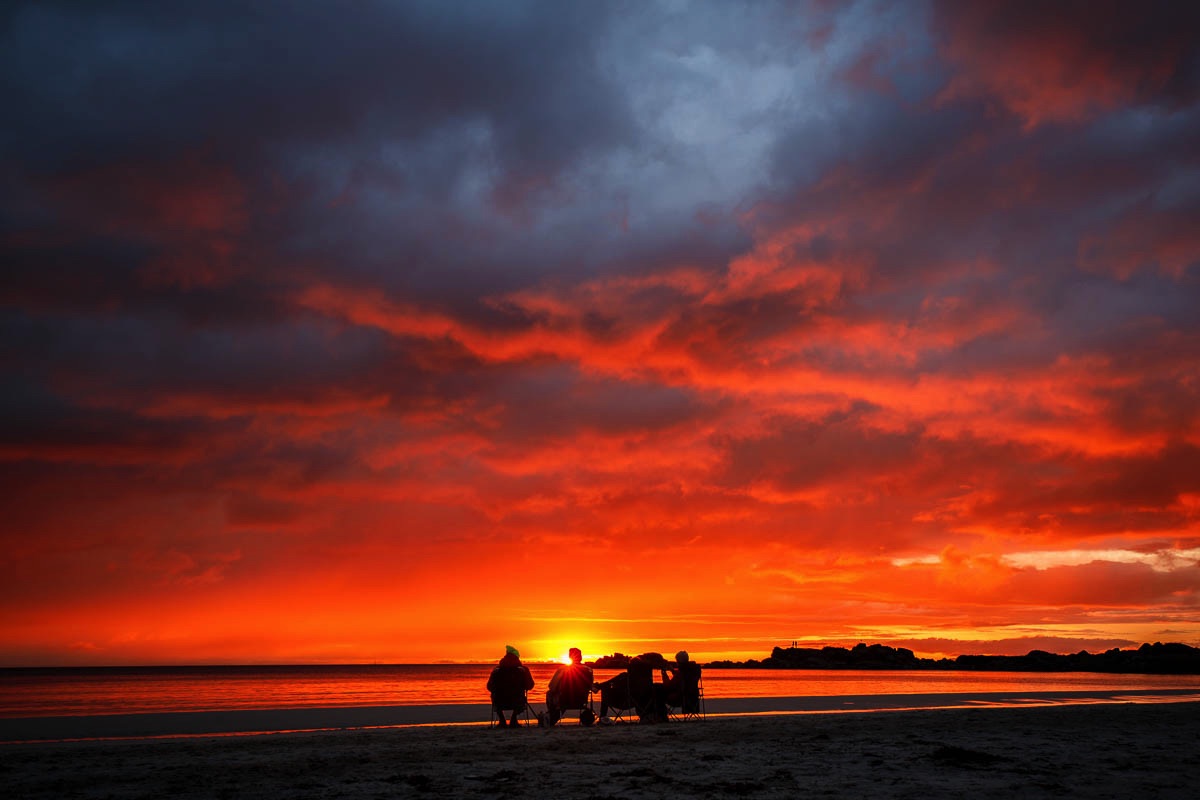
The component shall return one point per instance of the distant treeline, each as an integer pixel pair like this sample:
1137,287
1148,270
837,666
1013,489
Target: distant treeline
1155,659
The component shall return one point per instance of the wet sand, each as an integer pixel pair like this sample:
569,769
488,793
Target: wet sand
1100,750
311,719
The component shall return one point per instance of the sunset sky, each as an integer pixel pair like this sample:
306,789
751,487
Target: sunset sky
400,331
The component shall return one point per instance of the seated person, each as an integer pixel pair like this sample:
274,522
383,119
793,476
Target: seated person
681,685
508,683
648,697
568,688
614,693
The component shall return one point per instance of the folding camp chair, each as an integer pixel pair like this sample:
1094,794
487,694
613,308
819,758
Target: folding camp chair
524,716
690,704
509,694
615,699
573,693
583,707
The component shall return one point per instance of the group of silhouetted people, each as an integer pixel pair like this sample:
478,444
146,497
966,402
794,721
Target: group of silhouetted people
572,683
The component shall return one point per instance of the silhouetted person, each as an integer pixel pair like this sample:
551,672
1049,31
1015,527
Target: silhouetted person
614,693
681,685
508,683
568,688
648,697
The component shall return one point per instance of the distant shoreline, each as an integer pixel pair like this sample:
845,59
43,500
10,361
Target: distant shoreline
1149,659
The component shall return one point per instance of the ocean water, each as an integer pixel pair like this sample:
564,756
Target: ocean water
97,691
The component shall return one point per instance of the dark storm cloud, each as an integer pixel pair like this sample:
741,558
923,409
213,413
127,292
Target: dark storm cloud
359,289
1066,60
117,81
345,138
117,353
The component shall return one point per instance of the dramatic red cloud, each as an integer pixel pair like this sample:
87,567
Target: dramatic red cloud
891,339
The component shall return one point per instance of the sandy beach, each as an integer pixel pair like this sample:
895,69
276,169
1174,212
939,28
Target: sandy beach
1080,750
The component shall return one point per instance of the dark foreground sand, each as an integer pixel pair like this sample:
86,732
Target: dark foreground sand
1093,751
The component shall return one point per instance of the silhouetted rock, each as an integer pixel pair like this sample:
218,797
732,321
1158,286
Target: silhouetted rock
615,661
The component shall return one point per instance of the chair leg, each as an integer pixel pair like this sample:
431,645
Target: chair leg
498,718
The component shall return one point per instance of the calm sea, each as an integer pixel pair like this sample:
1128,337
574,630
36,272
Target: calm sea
89,691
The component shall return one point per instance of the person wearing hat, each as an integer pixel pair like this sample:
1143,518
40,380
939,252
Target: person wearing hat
569,689
508,683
